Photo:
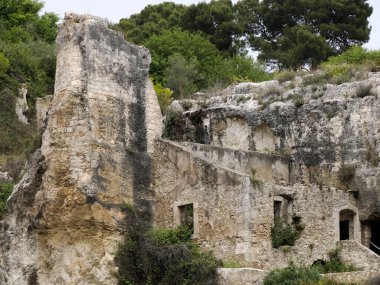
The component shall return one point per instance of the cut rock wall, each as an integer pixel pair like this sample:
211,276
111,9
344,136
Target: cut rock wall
234,214
64,219
330,129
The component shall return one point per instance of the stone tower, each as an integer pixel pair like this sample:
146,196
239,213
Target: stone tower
63,223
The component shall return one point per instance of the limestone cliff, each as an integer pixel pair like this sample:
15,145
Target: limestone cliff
63,223
325,130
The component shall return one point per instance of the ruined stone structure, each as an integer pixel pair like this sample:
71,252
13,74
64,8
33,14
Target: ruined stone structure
314,163
63,223
252,155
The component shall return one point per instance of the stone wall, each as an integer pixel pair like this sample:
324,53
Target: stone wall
220,198
359,256
241,276
233,214
333,128
64,218
265,166
355,277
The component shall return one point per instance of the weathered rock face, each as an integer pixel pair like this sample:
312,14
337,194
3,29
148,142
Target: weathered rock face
64,216
22,105
323,129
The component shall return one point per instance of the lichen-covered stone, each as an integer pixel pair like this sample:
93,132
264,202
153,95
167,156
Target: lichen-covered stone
64,216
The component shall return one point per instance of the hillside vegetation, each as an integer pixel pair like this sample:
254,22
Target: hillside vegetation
27,58
201,47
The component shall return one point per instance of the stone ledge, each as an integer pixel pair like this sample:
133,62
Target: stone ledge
241,276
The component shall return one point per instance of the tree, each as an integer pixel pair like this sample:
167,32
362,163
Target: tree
181,75
152,20
193,47
20,21
216,21
4,64
291,33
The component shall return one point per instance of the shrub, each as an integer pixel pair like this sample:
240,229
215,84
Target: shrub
284,76
5,191
297,99
162,256
353,64
172,121
243,99
292,275
284,234
164,96
186,105
231,264
298,275
334,264
4,64
316,79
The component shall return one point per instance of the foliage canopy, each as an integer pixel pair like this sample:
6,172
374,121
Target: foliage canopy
306,31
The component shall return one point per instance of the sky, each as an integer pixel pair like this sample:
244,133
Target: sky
114,10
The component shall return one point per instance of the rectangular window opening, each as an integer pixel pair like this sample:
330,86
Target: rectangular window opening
187,216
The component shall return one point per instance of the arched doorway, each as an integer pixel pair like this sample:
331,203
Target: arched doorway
347,224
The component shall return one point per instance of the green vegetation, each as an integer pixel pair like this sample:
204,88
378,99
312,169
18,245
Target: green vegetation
162,256
297,99
255,182
299,275
284,233
172,122
5,191
334,264
292,33
231,264
196,47
164,96
292,275
27,58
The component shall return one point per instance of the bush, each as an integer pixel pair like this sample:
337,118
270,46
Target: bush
298,275
172,122
334,264
297,100
186,105
164,96
315,79
292,275
284,234
162,257
4,64
287,75
6,189
353,64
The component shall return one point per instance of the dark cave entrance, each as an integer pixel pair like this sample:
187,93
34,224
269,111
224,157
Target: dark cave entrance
344,230
346,224
375,236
